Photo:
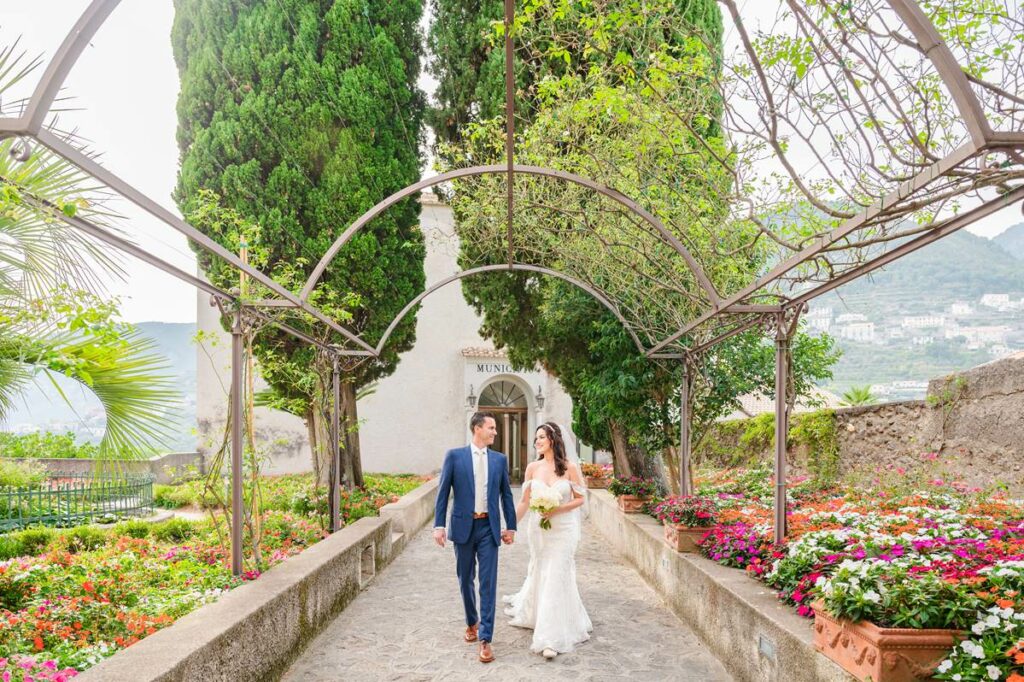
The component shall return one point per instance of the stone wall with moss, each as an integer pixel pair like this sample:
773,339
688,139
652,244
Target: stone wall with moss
973,421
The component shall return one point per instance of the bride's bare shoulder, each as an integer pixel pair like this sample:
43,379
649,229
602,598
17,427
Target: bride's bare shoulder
530,468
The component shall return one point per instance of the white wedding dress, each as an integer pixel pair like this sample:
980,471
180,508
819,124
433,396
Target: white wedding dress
549,600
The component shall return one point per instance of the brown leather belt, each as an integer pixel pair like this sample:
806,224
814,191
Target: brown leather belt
482,515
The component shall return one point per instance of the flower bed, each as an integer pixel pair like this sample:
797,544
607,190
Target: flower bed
942,557
81,595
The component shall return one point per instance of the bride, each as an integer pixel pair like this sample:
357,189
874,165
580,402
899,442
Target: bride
549,600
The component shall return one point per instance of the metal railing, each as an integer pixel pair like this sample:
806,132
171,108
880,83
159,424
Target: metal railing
70,500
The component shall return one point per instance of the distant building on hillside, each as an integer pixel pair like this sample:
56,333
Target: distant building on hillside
923,322
857,331
995,300
960,308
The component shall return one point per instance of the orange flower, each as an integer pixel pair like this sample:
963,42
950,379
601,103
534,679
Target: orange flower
1015,677
38,642
1005,603
88,586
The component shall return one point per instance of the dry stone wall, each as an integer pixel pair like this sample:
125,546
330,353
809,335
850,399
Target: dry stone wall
971,424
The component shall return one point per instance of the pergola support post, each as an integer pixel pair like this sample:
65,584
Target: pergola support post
334,499
785,323
685,444
237,514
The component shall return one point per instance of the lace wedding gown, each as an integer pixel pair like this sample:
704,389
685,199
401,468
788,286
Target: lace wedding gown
549,600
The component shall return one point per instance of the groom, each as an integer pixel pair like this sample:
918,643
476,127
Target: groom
479,476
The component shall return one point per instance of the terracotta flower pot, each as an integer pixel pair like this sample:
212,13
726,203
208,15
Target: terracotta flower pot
631,504
597,482
867,651
684,538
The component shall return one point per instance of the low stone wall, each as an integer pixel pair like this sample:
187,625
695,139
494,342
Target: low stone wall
740,620
413,510
972,419
255,631
163,468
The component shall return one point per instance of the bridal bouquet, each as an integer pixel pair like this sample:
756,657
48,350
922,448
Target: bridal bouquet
543,501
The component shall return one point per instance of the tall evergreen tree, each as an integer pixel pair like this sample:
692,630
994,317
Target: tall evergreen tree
301,115
624,401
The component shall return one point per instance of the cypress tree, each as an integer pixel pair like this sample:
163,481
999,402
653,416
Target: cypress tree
301,115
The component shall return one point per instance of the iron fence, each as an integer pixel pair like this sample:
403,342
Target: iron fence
70,500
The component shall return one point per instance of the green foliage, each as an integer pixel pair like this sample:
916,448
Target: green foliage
45,444
589,109
21,474
174,530
34,540
858,395
10,547
134,528
83,539
817,432
744,441
759,433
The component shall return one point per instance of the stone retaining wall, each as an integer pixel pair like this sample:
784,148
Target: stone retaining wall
972,419
740,620
254,631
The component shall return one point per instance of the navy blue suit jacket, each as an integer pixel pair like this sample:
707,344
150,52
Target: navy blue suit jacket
457,476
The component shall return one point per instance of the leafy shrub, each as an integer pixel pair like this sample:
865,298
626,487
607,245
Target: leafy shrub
133,528
34,540
21,474
10,547
46,445
84,539
634,485
173,530
695,511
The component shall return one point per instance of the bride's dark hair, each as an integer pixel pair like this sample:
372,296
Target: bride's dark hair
554,435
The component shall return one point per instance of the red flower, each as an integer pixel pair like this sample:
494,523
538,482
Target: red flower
38,642
88,587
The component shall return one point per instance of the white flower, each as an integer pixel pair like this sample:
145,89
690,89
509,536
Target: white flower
978,628
958,677
993,672
944,666
872,597
973,648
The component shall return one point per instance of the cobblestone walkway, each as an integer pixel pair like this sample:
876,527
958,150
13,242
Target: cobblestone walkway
408,625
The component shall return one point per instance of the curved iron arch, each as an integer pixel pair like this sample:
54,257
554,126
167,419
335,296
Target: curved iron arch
613,194
505,267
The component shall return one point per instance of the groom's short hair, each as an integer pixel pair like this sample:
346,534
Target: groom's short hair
478,419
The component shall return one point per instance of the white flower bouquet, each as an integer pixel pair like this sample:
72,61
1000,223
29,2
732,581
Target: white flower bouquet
543,501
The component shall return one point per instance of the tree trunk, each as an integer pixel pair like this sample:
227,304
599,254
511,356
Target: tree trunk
351,455
671,459
620,463
318,427
632,460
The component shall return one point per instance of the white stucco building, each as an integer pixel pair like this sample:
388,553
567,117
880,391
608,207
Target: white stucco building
421,410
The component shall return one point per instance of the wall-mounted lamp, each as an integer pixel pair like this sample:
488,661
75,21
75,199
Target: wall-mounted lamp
471,398
539,398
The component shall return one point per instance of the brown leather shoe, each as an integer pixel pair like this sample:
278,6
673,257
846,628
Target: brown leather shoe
486,655
471,633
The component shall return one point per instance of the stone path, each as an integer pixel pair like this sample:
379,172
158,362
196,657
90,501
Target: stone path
408,625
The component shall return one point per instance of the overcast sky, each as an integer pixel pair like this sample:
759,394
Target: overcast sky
124,90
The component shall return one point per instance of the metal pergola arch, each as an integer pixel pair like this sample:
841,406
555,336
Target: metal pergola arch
779,319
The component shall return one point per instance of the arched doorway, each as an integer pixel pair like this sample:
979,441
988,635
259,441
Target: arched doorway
506,400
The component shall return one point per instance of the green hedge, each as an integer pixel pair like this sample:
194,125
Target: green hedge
45,445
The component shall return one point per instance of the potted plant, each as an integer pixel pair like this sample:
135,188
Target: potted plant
632,492
596,474
687,519
875,628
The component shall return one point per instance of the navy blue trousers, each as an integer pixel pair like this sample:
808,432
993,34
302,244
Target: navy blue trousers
480,552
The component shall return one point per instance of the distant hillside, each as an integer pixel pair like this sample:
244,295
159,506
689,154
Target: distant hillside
960,267
1012,240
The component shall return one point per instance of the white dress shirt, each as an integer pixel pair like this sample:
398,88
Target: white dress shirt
479,478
